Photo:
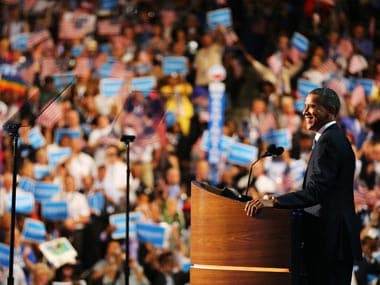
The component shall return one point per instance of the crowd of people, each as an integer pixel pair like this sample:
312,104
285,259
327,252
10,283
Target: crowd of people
70,130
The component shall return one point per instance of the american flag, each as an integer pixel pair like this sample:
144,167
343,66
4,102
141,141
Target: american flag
82,67
37,38
345,48
357,64
338,86
328,66
357,95
50,116
48,67
76,25
108,28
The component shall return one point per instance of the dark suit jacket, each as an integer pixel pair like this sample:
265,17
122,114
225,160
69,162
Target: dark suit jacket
329,182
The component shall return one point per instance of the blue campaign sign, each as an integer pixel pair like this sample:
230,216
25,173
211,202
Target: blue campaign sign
44,191
54,210
96,201
304,87
299,104
300,42
108,5
74,134
63,79
34,230
4,255
119,221
219,17
24,202
242,154
36,139
105,70
58,155
110,86
40,171
151,233
174,64
20,42
281,137
367,84
143,84
225,142
77,50
27,184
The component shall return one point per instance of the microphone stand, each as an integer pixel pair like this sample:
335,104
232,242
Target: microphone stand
127,139
12,128
250,173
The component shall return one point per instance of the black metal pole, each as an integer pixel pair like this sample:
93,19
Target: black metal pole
127,139
12,128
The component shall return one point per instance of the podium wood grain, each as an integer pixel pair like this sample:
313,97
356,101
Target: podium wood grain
222,235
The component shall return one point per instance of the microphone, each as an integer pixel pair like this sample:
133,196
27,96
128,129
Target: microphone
272,150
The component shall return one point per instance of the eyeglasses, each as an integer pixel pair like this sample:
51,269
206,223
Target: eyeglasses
111,153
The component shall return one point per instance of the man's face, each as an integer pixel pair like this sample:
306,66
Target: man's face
315,114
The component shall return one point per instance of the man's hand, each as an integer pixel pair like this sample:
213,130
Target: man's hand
252,207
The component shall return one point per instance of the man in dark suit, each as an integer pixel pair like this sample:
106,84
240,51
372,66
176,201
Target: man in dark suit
330,232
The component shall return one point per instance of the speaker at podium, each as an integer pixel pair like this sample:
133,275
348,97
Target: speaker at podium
228,247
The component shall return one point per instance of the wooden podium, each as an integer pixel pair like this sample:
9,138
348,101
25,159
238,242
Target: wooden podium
227,247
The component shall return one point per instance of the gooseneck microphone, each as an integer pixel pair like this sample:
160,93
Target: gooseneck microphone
272,150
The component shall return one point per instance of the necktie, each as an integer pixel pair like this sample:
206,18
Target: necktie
314,143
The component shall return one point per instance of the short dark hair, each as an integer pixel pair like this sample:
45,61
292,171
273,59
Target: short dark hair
328,98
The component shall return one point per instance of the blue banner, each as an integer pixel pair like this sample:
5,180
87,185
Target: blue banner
96,202
74,134
300,42
20,42
63,79
55,156
304,87
143,84
34,230
44,191
299,104
280,137
151,233
77,50
174,64
36,139
110,87
225,142
119,221
4,255
27,184
242,154
54,210
215,126
367,84
40,171
108,5
219,17
24,202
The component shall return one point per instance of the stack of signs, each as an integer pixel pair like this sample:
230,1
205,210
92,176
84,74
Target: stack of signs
59,252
